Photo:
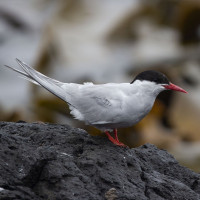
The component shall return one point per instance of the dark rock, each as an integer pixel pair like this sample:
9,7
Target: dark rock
45,161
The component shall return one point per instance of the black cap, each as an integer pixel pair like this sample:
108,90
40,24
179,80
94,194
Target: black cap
153,76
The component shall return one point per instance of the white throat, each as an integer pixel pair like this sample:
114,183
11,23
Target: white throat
148,88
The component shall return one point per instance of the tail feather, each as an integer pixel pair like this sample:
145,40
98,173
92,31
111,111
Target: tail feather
22,74
52,85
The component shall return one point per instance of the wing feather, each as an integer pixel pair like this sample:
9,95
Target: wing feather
96,105
52,85
22,74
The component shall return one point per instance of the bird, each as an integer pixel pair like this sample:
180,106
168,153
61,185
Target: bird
106,106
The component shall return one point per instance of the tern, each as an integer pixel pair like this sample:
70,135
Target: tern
105,106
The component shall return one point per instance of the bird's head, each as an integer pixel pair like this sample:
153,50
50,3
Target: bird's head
156,81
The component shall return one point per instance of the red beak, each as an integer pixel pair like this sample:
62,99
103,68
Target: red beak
171,86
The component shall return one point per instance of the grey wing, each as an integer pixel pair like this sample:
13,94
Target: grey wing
36,77
22,74
96,109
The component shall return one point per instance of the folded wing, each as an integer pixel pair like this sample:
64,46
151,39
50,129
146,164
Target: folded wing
94,104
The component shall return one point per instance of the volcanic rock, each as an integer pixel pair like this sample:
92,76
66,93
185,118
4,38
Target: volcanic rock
47,161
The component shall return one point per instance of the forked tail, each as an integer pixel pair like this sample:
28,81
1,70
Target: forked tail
37,78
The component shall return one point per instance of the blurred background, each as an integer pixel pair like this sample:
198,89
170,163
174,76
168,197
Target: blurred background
106,41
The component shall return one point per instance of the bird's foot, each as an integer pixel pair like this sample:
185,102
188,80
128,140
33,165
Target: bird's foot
114,141
121,144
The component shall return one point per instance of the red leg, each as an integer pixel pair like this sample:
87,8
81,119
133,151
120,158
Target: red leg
111,138
116,136
114,141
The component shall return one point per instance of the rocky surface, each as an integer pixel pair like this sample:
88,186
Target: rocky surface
45,161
